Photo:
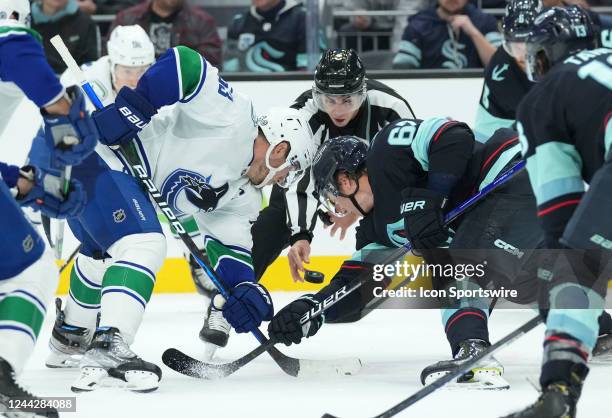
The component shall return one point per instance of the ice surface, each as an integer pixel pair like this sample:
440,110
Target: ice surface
394,345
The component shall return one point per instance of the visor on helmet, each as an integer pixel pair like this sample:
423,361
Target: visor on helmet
327,102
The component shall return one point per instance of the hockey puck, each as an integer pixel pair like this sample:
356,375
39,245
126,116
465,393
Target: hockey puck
312,276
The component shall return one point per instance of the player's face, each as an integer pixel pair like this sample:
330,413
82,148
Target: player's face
128,76
518,51
347,186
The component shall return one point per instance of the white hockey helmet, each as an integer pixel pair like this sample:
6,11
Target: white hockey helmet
20,8
282,124
130,46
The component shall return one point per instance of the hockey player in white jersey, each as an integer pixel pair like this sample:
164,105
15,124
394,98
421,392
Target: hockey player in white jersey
122,245
28,277
205,154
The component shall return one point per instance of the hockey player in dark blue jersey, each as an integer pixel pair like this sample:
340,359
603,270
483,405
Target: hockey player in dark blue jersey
505,82
566,133
431,161
28,277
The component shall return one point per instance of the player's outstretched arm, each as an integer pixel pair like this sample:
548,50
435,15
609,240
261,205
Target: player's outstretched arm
177,76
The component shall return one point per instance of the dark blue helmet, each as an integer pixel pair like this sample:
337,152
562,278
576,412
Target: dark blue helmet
519,17
342,154
556,34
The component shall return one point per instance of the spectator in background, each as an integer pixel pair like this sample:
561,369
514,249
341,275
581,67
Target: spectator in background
379,24
88,6
175,22
452,34
269,37
77,29
111,7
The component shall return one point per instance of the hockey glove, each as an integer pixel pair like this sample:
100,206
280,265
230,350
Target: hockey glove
73,137
119,122
423,218
247,306
285,327
46,194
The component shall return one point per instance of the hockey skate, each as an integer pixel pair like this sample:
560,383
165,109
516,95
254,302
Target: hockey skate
602,353
215,332
202,282
67,343
557,401
486,375
109,362
11,390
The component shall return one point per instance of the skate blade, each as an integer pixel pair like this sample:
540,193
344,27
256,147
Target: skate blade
483,379
94,378
210,350
63,361
605,359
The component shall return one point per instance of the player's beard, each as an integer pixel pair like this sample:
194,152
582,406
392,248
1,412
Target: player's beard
258,174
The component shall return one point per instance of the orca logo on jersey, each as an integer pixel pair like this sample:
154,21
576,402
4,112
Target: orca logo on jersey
142,174
132,118
183,188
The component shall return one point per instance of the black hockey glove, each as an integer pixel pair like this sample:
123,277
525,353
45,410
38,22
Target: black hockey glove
424,218
285,326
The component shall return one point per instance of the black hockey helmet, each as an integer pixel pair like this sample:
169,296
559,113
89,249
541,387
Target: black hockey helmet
342,154
557,33
517,22
339,72
339,81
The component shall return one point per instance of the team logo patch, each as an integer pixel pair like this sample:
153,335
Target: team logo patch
28,243
119,216
245,40
184,188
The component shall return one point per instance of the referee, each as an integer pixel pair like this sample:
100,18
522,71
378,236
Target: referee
341,102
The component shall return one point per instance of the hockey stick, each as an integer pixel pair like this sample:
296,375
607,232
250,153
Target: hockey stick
189,366
70,258
460,371
289,365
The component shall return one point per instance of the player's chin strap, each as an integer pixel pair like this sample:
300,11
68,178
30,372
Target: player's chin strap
271,170
351,197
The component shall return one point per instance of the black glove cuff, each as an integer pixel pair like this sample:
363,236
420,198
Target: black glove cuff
302,235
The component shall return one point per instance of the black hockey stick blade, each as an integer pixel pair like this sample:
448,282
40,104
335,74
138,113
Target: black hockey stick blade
184,364
464,368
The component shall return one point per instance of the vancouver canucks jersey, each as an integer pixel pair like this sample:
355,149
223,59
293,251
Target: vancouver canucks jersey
565,130
198,151
24,71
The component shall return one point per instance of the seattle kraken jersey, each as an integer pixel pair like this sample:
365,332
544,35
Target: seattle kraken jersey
430,42
412,152
505,85
261,43
23,70
565,130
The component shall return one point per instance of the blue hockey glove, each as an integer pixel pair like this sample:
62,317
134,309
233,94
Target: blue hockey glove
119,122
46,194
247,306
73,137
